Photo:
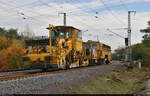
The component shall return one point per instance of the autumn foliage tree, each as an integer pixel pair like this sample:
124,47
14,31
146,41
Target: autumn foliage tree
10,55
11,50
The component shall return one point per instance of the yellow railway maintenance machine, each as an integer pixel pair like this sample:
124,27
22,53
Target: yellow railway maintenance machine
106,53
97,52
63,49
94,52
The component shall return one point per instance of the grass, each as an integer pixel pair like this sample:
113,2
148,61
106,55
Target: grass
122,82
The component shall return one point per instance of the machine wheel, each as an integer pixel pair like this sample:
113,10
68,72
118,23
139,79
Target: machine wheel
94,62
65,65
44,69
100,61
107,62
79,62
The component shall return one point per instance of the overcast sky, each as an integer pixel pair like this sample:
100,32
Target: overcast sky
92,15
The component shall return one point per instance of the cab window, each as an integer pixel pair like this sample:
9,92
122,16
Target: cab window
87,46
68,33
64,32
78,33
62,35
94,45
87,49
53,33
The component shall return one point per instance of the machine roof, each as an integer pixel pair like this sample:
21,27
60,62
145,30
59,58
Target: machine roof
65,26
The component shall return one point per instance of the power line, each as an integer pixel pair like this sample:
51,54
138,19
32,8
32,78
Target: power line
107,9
21,5
18,8
88,8
80,18
112,12
20,13
75,6
46,4
116,34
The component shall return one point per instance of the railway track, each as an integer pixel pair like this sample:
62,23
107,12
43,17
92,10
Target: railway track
38,72
11,72
34,73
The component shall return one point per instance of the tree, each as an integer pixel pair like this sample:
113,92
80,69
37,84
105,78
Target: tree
11,52
144,48
137,51
10,33
28,33
11,49
146,37
4,43
119,54
140,51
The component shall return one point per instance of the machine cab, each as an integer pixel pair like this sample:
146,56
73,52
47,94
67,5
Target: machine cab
66,36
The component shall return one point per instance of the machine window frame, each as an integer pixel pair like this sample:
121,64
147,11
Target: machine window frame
87,46
78,33
94,46
68,30
64,31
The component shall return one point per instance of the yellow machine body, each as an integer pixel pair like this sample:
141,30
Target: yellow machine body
64,49
106,53
97,52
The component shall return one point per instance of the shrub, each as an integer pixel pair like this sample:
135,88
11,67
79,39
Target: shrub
4,43
10,54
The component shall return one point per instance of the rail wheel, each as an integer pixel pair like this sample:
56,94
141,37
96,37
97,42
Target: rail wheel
65,64
100,61
44,69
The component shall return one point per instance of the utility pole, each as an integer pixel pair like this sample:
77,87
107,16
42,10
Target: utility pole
64,18
129,49
97,38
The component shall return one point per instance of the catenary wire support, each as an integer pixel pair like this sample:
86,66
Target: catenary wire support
126,42
64,18
129,48
115,33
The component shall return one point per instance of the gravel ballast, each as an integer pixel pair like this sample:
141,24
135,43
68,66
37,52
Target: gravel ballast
53,83
18,72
